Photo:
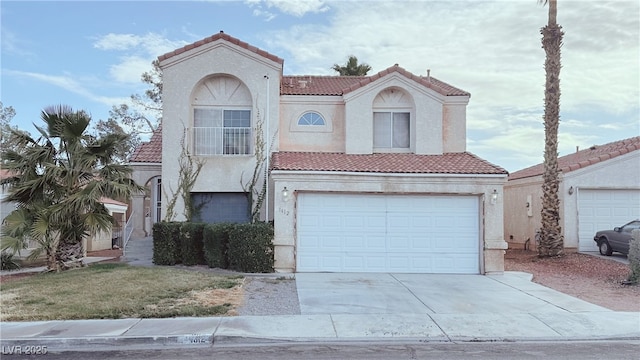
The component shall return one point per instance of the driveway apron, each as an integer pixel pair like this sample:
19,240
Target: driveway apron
382,293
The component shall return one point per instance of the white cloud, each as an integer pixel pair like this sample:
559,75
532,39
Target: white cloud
130,69
117,42
138,52
69,83
295,8
12,44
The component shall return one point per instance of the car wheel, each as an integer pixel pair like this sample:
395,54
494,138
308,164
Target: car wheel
605,248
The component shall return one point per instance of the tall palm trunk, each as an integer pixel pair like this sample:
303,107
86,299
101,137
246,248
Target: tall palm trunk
551,238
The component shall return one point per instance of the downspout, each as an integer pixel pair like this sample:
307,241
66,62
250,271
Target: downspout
267,154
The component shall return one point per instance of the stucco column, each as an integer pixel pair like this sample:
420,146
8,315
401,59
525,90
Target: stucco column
494,244
284,220
137,206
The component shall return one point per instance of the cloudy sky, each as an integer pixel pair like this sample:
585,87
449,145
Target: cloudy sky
90,55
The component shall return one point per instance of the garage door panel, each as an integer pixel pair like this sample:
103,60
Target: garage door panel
602,209
381,233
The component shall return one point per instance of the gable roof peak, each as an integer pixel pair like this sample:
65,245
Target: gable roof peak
224,37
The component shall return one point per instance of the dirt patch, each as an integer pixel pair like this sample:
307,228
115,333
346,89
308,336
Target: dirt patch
590,278
115,254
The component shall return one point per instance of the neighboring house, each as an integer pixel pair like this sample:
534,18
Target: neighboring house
599,189
367,173
146,162
103,240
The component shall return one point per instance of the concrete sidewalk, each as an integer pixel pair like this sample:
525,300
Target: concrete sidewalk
304,328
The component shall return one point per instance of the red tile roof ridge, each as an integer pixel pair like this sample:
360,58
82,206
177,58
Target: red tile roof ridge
340,85
583,158
448,163
221,36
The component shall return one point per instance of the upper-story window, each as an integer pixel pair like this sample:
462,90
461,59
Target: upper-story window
391,130
219,131
311,118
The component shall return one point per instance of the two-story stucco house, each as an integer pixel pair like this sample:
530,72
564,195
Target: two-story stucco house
367,173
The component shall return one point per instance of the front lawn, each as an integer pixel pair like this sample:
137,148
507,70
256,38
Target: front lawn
113,291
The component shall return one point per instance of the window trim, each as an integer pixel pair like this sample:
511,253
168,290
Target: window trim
392,149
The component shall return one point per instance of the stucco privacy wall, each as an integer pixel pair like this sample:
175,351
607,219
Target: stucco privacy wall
618,173
182,75
491,237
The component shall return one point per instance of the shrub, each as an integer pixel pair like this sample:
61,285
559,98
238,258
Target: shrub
166,243
251,248
216,244
7,262
634,258
191,248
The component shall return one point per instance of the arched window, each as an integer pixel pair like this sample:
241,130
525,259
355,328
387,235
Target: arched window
222,117
311,118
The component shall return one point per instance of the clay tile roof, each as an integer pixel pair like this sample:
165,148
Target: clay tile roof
584,158
450,163
220,36
339,85
149,152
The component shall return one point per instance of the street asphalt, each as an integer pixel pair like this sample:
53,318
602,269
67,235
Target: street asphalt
359,307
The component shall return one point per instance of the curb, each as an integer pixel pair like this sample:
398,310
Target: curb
82,343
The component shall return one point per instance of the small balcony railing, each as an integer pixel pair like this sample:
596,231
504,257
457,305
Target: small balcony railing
222,140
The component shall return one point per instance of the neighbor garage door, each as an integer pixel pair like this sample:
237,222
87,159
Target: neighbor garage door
600,209
388,233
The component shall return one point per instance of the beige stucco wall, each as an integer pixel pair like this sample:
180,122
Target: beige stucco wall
621,172
182,75
328,138
427,117
492,240
520,220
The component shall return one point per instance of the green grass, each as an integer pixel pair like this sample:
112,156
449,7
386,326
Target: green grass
112,291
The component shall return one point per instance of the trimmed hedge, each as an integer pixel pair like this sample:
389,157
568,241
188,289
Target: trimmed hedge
251,248
216,244
166,243
191,244
240,247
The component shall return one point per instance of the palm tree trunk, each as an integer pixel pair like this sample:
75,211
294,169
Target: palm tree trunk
551,239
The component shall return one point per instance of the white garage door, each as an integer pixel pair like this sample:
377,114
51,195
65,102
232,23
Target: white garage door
388,233
600,209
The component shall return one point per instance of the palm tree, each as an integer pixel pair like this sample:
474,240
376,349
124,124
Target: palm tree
551,238
352,68
58,181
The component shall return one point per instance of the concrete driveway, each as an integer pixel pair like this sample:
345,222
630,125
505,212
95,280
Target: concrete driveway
368,293
621,258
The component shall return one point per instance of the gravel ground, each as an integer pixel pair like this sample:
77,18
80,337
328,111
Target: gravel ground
591,278
270,296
